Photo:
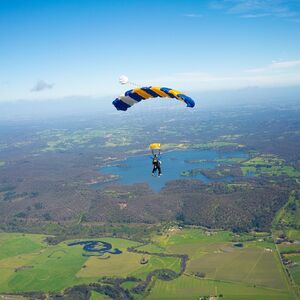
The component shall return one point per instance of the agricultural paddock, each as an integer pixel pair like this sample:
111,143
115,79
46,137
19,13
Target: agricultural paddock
190,288
249,265
253,271
214,254
28,264
98,296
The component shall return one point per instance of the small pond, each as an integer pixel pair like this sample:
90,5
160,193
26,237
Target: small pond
96,248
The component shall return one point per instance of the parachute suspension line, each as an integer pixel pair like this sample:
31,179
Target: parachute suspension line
134,84
125,80
155,153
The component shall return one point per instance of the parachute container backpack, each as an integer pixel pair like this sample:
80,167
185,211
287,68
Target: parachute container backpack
136,95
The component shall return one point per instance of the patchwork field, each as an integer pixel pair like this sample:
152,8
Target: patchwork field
28,264
249,270
253,269
187,287
269,165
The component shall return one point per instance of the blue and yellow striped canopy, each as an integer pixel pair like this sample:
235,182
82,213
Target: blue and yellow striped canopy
136,95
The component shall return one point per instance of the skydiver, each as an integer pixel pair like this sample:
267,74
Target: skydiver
156,165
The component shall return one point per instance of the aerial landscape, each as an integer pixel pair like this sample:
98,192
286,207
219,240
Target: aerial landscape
115,187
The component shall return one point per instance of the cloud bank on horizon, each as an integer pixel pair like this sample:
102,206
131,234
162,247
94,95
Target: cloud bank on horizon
83,46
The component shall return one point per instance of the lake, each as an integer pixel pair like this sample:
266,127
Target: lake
137,169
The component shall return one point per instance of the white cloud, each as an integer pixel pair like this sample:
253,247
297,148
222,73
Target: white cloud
193,15
42,85
285,64
275,74
288,64
259,8
253,16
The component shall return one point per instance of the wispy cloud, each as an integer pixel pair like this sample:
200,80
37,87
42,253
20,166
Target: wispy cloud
42,85
192,15
252,16
275,65
259,8
277,73
285,64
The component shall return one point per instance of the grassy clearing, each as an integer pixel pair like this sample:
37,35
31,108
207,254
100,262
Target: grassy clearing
269,165
49,273
286,223
152,248
98,296
188,287
294,269
289,248
63,139
14,244
251,265
217,145
231,160
289,215
293,234
156,262
27,264
295,272
116,266
12,297
213,253
194,242
250,272
192,235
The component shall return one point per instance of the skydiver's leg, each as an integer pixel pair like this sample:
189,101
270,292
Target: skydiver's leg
159,170
154,169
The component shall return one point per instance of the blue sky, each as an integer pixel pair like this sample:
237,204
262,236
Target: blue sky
54,49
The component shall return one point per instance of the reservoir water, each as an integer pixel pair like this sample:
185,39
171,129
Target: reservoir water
137,169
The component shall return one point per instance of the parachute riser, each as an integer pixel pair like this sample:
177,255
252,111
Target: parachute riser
155,152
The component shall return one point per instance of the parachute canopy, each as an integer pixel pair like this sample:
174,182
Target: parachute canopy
155,146
136,95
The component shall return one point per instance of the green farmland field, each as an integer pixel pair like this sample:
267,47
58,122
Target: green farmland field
187,287
253,271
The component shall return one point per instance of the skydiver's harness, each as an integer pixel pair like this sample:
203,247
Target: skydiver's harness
155,161
156,157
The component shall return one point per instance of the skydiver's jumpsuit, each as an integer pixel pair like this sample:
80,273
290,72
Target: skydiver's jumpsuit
156,165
